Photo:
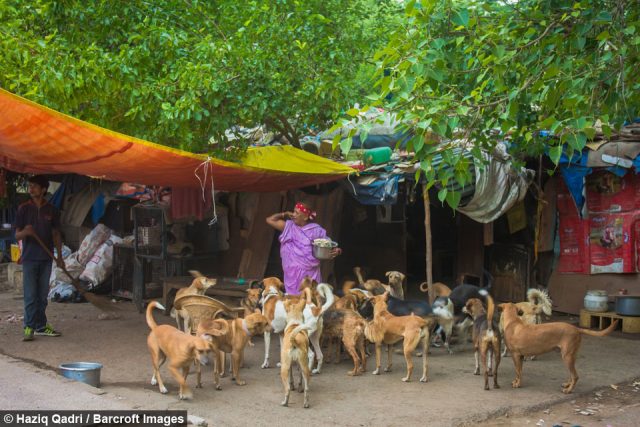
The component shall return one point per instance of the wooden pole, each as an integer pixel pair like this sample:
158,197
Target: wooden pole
427,234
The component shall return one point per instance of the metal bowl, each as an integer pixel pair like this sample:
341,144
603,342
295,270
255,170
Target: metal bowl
86,372
323,252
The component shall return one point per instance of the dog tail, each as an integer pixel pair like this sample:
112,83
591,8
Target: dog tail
540,298
326,292
150,320
491,308
358,272
296,331
601,333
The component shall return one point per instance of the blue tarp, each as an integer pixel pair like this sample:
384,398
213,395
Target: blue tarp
383,191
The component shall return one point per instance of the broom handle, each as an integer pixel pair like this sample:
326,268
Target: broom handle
48,251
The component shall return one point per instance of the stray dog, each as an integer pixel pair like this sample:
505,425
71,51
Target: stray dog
347,326
440,289
251,301
459,296
182,349
486,338
295,348
389,329
273,309
374,286
529,340
396,279
231,336
199,286
538,303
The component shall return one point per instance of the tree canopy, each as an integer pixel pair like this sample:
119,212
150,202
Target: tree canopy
182,72
481,71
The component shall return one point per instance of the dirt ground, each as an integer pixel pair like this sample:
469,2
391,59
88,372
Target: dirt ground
453,395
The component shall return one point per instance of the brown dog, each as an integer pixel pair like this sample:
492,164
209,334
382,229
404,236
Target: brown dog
530,311
251,301
396,279
374,286
389,329
348,326
440,289
182,349
295,348
530,340
486,338
199,286
231,336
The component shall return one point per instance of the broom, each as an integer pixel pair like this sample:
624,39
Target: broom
98,301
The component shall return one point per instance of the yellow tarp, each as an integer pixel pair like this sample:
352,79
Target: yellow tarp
37,139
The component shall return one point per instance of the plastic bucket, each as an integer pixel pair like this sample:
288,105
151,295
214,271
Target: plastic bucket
85,372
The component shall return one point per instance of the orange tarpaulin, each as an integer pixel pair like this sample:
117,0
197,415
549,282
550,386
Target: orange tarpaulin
37,139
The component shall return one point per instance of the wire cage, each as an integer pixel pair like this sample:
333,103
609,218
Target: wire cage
150,231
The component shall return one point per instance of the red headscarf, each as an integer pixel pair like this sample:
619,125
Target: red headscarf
306,210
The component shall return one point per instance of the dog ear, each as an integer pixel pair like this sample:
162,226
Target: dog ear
257,311
388,273
196,274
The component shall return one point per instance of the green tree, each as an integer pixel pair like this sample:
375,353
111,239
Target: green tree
182,72
478,71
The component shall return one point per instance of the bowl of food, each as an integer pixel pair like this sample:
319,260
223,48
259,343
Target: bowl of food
322,248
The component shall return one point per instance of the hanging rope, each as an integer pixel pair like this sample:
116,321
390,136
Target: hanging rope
206,165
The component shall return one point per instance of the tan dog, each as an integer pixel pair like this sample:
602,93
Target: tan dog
295,348
530,340
348,326
486,338
389,329
374,286
531,311
231,336
440,289
199,286
396,280
251,301
182,349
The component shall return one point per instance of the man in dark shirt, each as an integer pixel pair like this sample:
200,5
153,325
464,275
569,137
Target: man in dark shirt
37,217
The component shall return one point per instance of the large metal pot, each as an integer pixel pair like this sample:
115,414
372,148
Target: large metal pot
627,305
323,251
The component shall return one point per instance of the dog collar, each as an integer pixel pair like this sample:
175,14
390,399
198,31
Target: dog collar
244,327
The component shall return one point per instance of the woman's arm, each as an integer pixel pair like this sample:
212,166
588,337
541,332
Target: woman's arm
278,220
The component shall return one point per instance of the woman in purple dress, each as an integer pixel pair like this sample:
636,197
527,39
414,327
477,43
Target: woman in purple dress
296,245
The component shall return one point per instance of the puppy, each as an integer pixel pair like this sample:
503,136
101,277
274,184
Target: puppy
348,326
199,286
182,349
389,329
530,340
396,279
295,348
486,338
538,303
231,336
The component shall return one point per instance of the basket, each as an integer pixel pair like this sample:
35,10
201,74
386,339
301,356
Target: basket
323,252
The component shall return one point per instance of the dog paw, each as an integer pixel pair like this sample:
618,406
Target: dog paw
279,364
487,387
185,396
265,365
284,403
199,385
241,382
476,372
423,379
376,372
406,379
154,381
164,390
306,405
223,374
315,371
218,387
387,369
515,384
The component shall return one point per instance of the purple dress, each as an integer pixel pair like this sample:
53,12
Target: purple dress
296,251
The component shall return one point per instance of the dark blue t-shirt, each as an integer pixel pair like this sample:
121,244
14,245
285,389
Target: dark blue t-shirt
44,220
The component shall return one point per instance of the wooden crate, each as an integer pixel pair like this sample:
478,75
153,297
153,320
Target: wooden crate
628,324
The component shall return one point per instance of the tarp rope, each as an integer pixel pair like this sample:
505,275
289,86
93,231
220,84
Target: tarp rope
203,184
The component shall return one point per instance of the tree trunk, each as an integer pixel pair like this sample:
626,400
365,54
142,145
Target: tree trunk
427,234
